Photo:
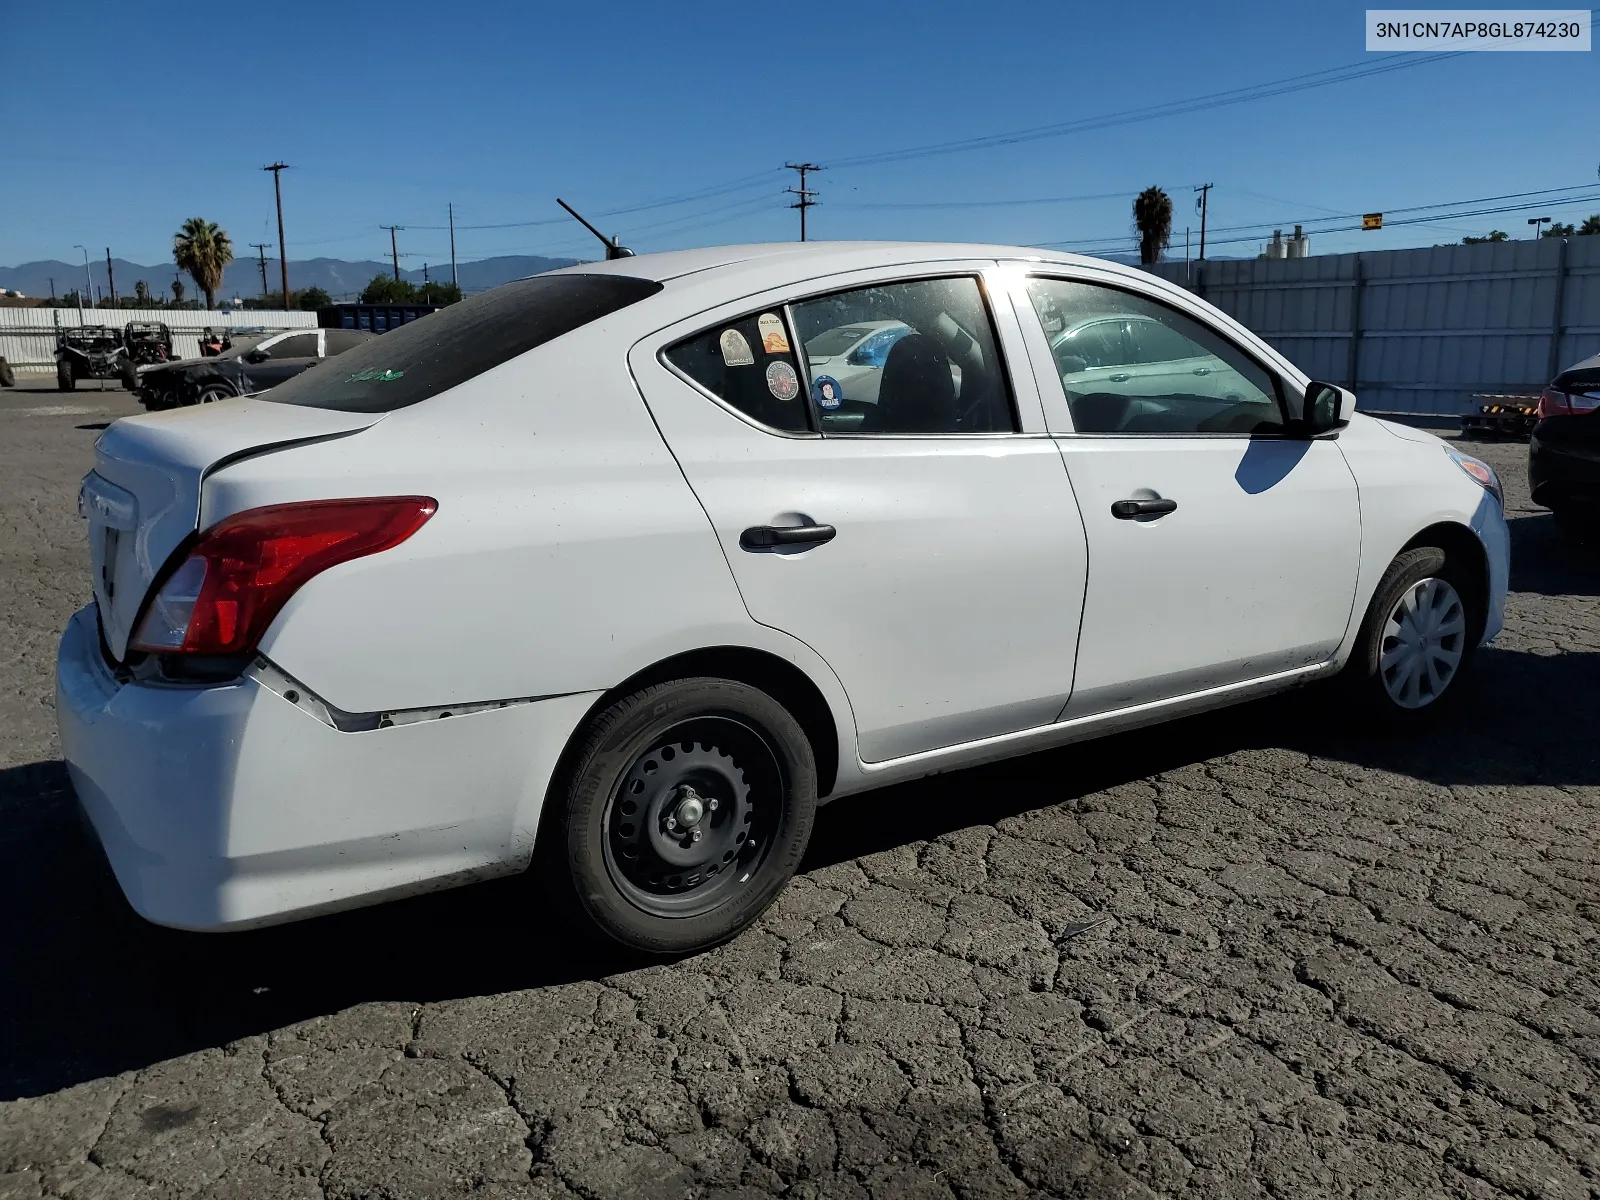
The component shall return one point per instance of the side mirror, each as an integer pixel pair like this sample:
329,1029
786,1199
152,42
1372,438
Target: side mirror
1325,408
258,356
1071,364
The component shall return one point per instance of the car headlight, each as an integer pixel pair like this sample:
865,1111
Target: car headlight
1480,471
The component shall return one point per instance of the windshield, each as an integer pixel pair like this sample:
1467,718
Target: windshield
836,341
435,353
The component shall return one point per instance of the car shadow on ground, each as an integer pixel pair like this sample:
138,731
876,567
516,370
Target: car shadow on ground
91,991
1547,562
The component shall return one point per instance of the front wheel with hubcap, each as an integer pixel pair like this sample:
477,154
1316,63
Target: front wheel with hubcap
683,815
1416,638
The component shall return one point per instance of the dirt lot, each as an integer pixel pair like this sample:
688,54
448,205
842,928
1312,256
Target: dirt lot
1333,965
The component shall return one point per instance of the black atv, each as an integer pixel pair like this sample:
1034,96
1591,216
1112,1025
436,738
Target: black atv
144,344
88,352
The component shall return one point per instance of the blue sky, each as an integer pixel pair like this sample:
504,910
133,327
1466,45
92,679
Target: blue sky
117,128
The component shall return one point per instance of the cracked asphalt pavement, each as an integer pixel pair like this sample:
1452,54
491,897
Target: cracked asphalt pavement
1326,964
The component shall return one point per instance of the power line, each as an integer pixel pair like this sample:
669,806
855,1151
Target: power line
1535,199
1429,218
1280,87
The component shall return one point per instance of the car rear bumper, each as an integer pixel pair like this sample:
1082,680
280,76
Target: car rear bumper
1564,476
226,806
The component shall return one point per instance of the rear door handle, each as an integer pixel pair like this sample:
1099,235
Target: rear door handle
1127,510
1202,370
769,537
1119,377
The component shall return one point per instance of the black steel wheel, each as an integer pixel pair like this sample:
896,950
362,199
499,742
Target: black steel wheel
683,815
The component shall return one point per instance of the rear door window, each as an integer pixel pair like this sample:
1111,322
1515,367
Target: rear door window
435,353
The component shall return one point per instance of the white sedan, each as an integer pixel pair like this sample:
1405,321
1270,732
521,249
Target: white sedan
581,574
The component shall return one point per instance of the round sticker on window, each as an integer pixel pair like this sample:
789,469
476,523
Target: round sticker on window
825,389
782,382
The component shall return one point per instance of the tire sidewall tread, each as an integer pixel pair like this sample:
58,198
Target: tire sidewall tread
571,844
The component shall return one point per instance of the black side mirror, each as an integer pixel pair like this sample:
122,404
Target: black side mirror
258,356
1071,364
1323,409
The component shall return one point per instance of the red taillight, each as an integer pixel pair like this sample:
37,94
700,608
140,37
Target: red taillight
241,572
1553,403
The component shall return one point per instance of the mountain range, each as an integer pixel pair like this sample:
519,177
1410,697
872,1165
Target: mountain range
341,279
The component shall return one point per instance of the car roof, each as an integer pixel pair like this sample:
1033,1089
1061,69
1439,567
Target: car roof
783,260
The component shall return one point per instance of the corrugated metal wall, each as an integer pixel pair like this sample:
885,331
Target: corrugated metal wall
28,335
1419,331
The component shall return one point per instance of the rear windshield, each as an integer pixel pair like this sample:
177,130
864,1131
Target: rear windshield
436,352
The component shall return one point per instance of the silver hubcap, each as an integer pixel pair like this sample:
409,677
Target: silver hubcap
1423,640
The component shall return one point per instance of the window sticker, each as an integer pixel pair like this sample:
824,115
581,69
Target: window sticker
826,390
773,338
736,351
782,382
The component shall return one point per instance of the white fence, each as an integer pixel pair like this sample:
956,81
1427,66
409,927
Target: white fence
1419,331
28,335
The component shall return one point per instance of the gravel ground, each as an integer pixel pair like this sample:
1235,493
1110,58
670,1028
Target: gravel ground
1326,964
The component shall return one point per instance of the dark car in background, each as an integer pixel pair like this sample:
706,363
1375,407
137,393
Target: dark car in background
250,364
1564,453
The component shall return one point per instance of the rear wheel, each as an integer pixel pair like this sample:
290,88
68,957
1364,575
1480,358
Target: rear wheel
1415,640
210,393
65,380
684,814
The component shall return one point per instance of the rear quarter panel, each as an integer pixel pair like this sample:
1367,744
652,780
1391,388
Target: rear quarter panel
567,552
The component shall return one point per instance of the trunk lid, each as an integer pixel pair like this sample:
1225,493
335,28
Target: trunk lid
143,497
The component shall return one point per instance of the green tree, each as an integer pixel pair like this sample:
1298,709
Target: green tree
1559,230
1152,221
1495,235
1591,225
385,289
203,249
177,291
141,292
312,299
434,292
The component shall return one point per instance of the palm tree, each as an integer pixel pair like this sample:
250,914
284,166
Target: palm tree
1591,224
203,250
1152,221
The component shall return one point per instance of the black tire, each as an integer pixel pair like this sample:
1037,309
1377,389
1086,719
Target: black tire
210,392
65,380
1373,684
130,376
8,377
608,852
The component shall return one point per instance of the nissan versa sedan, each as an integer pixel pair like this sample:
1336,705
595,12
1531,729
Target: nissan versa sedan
580,576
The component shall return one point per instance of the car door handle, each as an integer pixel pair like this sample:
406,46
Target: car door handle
1202,370
1119,377
1127,510
769,537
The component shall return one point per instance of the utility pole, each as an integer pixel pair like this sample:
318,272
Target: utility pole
1205,194
111,280
283,250
453,282
394,248
88,284
807,197
52,289
424,274
261,253
1186,255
